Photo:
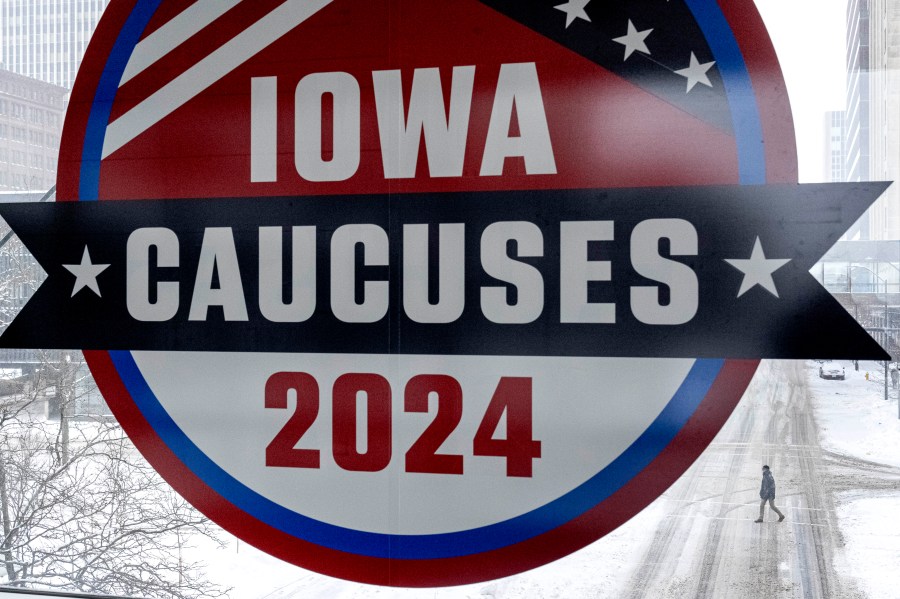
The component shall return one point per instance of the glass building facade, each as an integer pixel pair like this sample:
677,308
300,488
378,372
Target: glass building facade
31,117
45,39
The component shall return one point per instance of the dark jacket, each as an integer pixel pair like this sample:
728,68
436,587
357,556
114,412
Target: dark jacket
767,490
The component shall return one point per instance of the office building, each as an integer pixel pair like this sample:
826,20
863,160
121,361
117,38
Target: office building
872,117
45,39
31,118
834,146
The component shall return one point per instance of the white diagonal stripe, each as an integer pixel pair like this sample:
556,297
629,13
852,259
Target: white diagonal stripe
193,81
159,43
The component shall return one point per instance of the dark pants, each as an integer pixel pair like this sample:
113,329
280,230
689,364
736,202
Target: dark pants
762,508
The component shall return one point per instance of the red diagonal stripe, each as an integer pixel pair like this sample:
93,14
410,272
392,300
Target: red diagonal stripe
189,53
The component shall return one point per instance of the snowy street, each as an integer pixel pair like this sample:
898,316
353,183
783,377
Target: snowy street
708,545
834,449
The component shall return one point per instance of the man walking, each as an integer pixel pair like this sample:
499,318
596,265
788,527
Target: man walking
767,493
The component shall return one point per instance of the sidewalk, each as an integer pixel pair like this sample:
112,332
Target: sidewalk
855,420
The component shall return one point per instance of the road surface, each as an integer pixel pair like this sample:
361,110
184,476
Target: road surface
708,545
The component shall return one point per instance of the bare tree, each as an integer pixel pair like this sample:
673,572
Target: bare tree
81,510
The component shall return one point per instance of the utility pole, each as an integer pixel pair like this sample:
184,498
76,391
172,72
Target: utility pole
65,393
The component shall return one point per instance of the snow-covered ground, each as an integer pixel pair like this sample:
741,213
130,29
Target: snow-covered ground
872,534
854,420
857,429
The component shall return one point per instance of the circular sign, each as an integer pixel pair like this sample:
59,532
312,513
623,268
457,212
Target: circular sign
386,449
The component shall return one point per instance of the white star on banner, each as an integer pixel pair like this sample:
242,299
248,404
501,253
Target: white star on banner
758,270
696,73
574,9
634,40
86,273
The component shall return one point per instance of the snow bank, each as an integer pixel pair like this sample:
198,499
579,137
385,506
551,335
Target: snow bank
855,420
853,417
872,534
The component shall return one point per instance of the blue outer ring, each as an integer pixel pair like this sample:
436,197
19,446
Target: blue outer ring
751,160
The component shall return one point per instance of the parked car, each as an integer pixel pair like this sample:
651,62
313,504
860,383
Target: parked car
830,370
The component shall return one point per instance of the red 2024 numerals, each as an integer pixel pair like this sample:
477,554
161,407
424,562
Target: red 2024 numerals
513,397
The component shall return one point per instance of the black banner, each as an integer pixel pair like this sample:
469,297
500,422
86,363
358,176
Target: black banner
719,272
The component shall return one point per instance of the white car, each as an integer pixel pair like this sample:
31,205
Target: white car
830,370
